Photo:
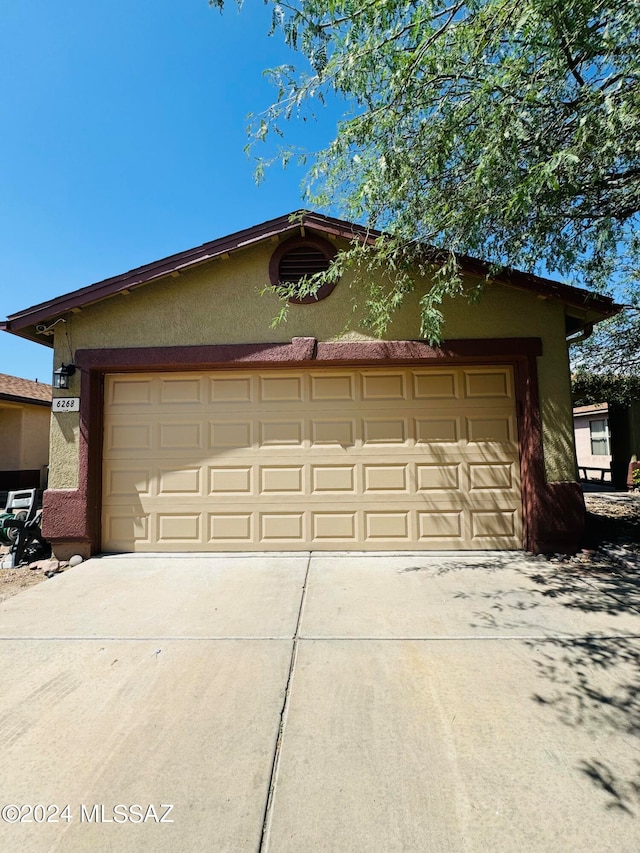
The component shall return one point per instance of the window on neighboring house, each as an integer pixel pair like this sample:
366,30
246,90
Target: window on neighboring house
599,438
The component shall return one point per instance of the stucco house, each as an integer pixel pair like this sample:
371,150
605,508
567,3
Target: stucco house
25,408
202,427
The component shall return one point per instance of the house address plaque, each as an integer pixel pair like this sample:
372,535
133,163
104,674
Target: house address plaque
66,404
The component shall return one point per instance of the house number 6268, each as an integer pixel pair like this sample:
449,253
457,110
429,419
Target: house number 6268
66,404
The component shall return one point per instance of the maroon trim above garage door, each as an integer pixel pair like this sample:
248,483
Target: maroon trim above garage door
553,513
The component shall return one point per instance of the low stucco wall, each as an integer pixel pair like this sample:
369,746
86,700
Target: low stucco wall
220,303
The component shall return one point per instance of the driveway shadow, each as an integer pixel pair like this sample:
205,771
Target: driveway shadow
598,588
593,684
590,683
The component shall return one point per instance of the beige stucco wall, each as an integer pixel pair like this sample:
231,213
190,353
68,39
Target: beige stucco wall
35,437
24,437
10,437
219,303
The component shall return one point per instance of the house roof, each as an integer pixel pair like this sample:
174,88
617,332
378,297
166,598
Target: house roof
590,307
16,390
592,409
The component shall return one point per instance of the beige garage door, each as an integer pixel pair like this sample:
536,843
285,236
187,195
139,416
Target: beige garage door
321,459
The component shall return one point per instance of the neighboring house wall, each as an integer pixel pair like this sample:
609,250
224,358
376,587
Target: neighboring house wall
584,423
36,422
624,439
10,436
219,303
24,445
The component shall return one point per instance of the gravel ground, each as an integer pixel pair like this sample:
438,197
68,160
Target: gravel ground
613,517
15,580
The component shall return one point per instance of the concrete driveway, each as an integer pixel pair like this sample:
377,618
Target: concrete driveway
293,703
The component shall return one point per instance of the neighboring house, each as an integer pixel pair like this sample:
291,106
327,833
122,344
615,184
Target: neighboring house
607,436
593,441
25,415
203,428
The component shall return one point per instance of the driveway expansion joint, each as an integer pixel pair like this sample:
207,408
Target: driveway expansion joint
148,639
452,638
275,764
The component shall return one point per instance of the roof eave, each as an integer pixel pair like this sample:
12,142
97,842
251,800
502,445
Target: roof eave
21,320
573,297
23,323
24,401
28,332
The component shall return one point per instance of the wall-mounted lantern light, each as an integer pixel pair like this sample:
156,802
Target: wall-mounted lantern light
62,374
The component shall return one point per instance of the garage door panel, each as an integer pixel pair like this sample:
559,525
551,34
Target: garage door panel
281,389
338,432
181,436
335,479
496,523
230,389
389,525
178,528
281,432
362,459
334,526
384,431
440,528
435,476
436,386
491,429
230,480
181,390
124,528
384,386
282,528
385,478
333,388
491,475
484,383
225,435
436,429
231,528
124,392
126,482
281,479
441,525
128,436
180,482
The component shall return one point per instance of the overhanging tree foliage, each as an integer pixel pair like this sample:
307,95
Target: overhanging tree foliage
606,366
611,355
504,129
616,390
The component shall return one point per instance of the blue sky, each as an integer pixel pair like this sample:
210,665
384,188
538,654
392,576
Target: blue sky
121,141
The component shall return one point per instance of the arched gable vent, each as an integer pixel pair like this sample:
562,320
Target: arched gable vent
305,260
299,257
